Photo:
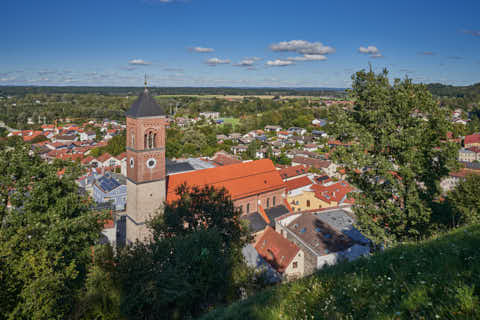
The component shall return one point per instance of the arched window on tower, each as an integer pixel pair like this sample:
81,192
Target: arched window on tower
154,140
145,142
150,140
133,141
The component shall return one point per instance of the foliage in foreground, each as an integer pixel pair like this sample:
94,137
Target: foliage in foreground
434,279
45,237
192,264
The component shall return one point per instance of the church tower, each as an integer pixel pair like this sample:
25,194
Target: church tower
146,184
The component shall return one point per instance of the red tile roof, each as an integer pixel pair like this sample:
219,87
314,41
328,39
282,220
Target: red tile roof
104,157
334,192
473,138
121,156
293,171
241,180
87,160
316,163
276,250
298,183
474,149
224,159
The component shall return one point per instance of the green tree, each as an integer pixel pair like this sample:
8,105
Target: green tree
116,145
464,201
193,263
199,209
396,132
252,149
101,296
45,237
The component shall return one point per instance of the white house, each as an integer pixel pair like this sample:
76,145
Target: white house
87,135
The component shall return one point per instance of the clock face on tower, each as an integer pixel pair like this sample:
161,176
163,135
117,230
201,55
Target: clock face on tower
151,163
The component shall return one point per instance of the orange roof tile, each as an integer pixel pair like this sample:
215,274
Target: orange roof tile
298,183
241,180
293,171
275,249
104,157
334,192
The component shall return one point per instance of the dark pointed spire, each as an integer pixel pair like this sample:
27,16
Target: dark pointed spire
145,106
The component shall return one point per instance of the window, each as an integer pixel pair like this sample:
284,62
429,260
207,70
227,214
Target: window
268,202
308,203
150,140
154,140
133,140
273,201
241,209
145,141
295,265
248,207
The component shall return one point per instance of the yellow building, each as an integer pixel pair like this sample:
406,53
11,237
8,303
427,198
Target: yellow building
306,200
319,196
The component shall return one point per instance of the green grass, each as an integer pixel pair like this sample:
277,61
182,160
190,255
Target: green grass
232,121
434,279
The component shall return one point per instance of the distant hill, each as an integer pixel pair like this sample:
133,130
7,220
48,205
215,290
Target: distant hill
434,279
22,90
469,93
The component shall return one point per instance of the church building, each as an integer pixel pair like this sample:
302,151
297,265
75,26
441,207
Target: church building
256,186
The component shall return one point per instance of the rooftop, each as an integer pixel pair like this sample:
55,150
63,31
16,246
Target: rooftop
241,180
318,234
145,106
276,250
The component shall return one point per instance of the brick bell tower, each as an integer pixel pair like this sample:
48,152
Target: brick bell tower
146,185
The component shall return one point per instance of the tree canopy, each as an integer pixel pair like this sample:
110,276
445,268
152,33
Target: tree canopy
397,154
46,231
193,263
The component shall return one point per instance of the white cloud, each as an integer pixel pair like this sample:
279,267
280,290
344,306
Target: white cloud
279,63
201,49
309,57
368,50
138,62
212,62
247,62
302,47
377,55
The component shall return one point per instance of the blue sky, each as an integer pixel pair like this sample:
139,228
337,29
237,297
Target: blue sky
315,43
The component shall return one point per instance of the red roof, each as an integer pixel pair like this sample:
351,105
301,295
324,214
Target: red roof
316,163
121,156
298,183
474,149
334,192
473,138
275,249
87,160
293,171
104,157
224,159
241,180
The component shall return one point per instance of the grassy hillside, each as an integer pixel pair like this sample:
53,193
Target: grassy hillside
435,279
